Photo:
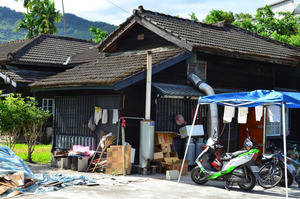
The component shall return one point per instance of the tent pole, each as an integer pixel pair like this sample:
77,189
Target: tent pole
284,149
228,144
188,143
264,138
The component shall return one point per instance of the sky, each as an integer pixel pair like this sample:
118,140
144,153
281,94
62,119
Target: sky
117,11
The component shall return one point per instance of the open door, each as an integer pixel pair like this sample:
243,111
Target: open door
256,130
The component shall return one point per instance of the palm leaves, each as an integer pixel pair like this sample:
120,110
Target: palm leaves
40,18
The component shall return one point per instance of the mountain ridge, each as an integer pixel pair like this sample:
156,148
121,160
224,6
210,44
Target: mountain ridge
76,27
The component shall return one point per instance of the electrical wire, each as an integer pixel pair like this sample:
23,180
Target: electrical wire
118,6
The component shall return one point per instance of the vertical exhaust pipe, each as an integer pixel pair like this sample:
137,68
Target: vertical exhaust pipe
213,109
148,85
147,125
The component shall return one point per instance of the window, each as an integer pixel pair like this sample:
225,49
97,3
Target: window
48,104
275,128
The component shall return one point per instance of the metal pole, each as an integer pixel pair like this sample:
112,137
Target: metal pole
284,149
228,143
264,138
63,7
148,85
123,150
188,143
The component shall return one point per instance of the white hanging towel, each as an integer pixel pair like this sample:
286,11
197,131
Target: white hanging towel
104,116
274,113
258,112
115,116
242,115
97,114
228,113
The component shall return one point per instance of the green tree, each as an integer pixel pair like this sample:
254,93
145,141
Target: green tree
193,17
285,28
10,118
19,115
98,34
33,119
40,17
218,15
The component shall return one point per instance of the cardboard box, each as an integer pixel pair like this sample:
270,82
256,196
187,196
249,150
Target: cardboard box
170,154
158,156
165,147
163,138
197,130
170,160
177,166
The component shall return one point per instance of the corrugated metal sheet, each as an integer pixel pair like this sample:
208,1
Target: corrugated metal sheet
175,90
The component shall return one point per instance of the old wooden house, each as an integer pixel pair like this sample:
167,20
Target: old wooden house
25,61
225,57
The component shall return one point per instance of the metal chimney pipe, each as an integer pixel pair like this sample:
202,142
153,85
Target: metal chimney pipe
213,109
148,85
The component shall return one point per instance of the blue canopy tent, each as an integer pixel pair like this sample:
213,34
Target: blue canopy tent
252,99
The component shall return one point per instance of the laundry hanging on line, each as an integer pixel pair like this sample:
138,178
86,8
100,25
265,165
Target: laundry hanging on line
228,113
258,112
242,115
115,116
97,114
104,116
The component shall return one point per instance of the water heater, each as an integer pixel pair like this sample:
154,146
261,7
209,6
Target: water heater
146,142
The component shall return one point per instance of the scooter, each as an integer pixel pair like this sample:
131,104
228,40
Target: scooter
237,167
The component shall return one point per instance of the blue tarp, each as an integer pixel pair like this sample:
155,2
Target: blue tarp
11,163
254,98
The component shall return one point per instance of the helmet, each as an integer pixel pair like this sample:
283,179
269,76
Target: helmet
217,164
249,143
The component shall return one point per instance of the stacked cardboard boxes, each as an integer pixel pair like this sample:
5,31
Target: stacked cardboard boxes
164,154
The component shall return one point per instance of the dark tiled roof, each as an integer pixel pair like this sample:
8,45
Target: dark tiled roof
12,46
44,49
108,70
24,76
196,35
89,55
175,90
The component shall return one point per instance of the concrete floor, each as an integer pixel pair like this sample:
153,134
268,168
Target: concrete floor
151,186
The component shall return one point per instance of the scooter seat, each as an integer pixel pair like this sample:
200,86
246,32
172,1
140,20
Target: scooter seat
228,156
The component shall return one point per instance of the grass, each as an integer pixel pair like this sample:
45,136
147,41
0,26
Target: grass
40,155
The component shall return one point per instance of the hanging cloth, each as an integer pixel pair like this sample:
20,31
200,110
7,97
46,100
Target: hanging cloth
104,116
115,116
97,114
274,113
242,115
228,113
258,112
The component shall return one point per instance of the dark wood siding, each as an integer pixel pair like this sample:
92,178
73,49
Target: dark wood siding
130,40
72,114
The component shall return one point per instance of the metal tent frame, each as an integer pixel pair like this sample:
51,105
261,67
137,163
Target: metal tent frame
252,99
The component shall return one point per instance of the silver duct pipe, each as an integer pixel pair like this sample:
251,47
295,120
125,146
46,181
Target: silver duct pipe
148,85
213,109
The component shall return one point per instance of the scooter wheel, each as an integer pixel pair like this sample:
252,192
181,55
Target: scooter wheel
251,182
198,176
289,176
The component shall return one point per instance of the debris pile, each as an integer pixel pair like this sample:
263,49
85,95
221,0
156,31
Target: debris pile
15,176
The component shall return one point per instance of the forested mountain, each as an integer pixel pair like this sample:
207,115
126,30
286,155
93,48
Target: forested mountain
76,27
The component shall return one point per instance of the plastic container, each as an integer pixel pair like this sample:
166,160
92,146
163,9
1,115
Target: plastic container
191,152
